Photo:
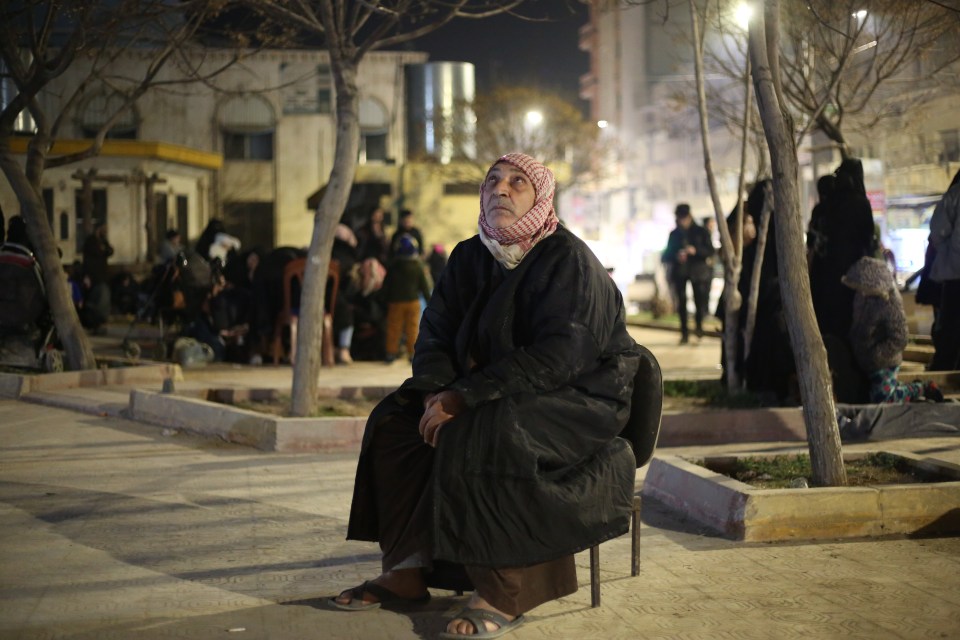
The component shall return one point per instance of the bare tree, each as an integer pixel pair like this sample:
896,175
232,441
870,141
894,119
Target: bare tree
823,435
731,240
842,60
350,29
39,43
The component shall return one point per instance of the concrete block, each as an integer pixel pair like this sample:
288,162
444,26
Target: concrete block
204,418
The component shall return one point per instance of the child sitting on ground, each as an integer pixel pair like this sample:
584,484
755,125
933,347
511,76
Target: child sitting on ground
878,334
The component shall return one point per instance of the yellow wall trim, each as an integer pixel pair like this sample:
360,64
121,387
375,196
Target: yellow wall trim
132,149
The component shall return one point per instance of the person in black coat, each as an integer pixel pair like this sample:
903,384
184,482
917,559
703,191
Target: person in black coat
846,235
689,255
500,455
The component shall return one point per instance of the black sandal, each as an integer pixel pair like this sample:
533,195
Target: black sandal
384,597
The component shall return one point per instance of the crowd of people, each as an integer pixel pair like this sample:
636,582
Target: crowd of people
856,301
229,298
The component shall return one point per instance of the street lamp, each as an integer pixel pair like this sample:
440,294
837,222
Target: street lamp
534,118
742,14
602,124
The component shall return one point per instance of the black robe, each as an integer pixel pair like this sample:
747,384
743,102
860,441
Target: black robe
533,470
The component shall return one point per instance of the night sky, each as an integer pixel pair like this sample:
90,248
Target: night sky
508,50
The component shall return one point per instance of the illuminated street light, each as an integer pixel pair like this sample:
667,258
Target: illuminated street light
602,124
860,15
742,15
534,118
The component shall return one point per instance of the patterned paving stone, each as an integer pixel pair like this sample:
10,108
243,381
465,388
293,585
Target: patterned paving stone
109,530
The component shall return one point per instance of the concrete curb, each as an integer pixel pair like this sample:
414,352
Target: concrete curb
17,385
732,425
241,426
741,512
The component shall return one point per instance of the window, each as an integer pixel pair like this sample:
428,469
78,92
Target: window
48,205
461,188
247,124
374,125
306,89
98,214
950,139
96,111
183,215
248,146
324,89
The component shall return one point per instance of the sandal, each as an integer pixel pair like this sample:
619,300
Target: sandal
384,597
477,617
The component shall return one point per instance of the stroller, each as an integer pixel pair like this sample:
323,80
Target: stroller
26,324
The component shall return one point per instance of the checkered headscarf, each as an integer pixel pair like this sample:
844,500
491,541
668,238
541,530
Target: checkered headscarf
540,221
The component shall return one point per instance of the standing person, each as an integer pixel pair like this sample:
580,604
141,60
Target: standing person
945,239
688,254
17,233
344,252
521,383
405,226
372,238
846,235
96,251
405,282
825,185
170,247
437,260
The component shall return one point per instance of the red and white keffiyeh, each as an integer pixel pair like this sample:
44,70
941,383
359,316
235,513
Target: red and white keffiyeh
513,242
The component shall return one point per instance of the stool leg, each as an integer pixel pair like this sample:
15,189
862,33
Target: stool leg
595,576
635,544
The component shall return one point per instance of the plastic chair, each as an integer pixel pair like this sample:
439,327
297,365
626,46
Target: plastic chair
642,431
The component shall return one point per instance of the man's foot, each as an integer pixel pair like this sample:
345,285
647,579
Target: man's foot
479,619
402,585
684,339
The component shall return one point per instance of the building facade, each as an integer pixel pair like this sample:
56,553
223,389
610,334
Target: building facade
640,89
250,146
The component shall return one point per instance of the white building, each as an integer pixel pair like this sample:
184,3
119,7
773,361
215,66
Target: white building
641,69
249,147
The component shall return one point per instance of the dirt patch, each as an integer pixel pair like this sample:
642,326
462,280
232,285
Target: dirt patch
787,471
326,407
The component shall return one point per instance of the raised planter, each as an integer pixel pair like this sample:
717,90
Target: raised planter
112,372
242,426
741,512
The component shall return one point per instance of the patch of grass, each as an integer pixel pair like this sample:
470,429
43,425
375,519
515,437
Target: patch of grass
783,471
712,393
326,407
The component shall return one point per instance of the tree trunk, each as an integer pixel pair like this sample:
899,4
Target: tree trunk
731,247
325,220
74,339
816,389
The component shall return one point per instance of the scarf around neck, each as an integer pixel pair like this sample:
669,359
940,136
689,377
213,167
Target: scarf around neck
510,244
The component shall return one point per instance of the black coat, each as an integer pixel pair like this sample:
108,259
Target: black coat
697,267
533,470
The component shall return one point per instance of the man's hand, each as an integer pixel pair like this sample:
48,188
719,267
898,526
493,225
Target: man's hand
440,408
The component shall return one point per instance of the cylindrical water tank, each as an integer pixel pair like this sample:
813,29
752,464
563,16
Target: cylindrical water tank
8,91
440,120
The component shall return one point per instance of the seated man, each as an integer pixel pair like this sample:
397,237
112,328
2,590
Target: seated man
501,453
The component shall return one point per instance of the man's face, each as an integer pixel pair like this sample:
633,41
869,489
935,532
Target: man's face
685,222
507,195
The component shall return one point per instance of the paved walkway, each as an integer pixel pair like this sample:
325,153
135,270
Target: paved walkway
108,529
